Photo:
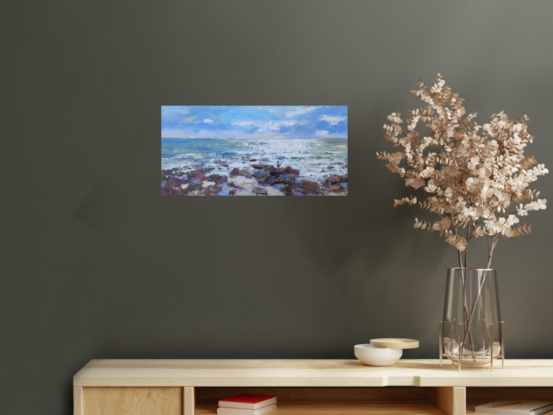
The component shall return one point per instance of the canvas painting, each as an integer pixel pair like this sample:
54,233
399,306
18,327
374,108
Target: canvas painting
254,150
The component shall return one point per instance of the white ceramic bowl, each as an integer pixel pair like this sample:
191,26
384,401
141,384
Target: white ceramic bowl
376,356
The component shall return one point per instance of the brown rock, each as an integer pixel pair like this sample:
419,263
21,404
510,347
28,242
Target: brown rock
240,172
217,178
288,191
259,191
309,187
197,175
290,170
213,190
262,166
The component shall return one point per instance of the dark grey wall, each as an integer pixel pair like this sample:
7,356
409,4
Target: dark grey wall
95,264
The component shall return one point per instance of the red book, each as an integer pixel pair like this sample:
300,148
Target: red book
247,401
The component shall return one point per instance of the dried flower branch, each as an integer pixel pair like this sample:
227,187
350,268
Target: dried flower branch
475,178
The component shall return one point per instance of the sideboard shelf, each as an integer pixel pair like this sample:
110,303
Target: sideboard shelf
425,408
305,387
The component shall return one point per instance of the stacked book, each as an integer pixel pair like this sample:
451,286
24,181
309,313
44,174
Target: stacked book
246,404
516,407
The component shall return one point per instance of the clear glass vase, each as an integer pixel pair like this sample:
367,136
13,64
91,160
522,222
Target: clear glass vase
471,332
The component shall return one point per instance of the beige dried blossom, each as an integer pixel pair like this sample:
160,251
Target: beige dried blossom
475,178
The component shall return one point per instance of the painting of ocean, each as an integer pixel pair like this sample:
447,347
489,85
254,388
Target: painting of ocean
254,151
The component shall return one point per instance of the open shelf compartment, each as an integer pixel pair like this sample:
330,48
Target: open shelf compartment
373,401
480,396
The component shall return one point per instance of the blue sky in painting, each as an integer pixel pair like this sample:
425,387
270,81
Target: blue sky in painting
254,122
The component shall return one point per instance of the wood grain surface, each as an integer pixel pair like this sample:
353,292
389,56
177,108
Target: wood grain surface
308,373
132,401
450,400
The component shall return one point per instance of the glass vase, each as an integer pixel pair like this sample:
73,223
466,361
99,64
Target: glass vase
471,332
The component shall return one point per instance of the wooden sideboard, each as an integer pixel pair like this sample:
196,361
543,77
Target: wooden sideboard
305,387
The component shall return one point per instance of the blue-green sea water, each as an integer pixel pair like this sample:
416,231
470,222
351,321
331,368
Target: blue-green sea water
314,158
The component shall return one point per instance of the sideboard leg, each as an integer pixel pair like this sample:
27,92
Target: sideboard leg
450,400
77,400
189,400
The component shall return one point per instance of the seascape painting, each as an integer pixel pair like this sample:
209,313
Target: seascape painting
254,151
